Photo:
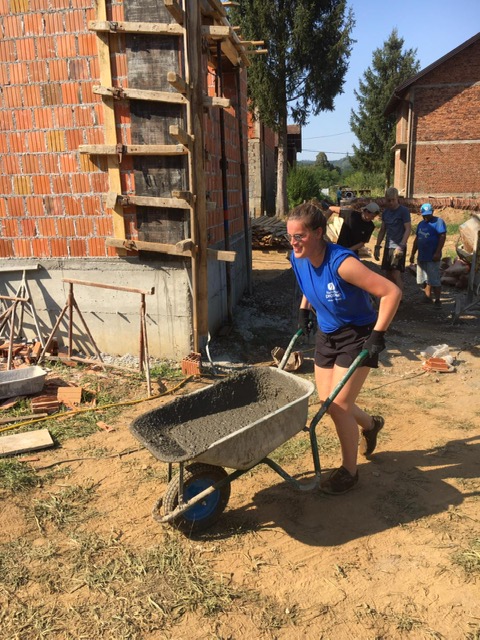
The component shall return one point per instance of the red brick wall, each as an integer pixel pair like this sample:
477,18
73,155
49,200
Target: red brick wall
446,105
233,215
51,203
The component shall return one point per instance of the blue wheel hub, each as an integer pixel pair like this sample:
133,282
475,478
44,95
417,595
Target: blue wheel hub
206,507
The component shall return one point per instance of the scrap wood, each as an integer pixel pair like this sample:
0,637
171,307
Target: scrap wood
28,441
22,418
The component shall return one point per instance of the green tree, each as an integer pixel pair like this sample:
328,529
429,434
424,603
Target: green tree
321,160
309,44
301,186
376,132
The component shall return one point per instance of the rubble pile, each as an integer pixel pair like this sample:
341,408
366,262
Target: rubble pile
454,273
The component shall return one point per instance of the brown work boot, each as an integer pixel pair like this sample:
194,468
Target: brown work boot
368,441
339,481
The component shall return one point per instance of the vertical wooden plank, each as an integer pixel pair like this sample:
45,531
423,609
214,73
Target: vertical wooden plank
194,77
110,127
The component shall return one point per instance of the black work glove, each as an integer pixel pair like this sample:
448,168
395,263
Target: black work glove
305,321
376,252
375,343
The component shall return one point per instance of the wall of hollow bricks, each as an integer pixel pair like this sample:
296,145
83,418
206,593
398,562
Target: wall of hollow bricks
446,128
51,204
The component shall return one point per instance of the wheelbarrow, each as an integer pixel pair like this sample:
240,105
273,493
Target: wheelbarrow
234,423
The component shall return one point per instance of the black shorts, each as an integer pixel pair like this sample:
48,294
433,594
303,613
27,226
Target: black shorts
342,347
392,262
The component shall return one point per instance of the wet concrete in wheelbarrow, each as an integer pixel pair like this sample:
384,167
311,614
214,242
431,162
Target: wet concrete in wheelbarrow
186,427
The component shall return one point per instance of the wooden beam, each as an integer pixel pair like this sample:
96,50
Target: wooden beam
230,51
139,94
134,149
213,101
216,32
156,247
184,248
109,119
218,7
180,134
195,118
176,11
177,82
150,201
184,195
163,29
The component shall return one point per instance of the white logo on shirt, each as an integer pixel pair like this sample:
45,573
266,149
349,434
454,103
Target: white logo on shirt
332,293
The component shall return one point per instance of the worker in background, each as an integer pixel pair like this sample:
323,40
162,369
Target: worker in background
338,286
396,227
429,240
357,227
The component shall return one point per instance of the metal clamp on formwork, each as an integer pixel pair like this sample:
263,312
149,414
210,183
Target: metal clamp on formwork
117,92
120,149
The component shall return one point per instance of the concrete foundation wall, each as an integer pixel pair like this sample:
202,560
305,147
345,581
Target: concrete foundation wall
113,317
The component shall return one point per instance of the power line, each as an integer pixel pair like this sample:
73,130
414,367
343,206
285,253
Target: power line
330,135
338,153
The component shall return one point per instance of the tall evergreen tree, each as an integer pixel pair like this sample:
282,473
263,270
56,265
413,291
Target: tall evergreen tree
309,44
376,132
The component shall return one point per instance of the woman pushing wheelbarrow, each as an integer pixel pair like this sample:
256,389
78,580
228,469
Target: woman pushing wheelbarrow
336,287
237,422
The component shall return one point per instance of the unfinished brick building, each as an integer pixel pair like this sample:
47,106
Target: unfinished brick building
123,143
437,151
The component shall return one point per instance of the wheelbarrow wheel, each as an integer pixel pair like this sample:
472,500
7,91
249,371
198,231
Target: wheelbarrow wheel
197,477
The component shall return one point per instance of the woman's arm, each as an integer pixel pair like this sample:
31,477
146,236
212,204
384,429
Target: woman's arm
356,273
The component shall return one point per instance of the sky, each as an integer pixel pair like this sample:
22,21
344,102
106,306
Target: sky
432,28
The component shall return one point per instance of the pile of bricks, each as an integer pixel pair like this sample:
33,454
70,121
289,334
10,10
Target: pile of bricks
23,353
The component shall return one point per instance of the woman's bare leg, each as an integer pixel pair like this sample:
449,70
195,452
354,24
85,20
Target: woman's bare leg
344,412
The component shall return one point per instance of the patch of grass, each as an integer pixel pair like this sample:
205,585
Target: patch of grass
165,370
469,559
16,476
64,509
292,449
13,572
465,425
426,403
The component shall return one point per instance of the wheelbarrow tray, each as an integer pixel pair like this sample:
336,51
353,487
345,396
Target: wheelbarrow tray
233,423
21,382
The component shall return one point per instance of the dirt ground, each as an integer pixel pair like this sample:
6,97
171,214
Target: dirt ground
398,557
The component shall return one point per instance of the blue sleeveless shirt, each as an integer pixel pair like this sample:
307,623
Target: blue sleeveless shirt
336,302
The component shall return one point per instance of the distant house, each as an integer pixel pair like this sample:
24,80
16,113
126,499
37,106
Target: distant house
294,143
437,150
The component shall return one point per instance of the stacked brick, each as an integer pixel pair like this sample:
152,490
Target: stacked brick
51,202
51,195
232,217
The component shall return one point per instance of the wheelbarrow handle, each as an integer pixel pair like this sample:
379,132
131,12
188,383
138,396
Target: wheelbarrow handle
288,350
350,371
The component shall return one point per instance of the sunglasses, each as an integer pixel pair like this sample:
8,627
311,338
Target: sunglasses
298,237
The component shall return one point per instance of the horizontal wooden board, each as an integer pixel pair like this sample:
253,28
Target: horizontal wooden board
23,442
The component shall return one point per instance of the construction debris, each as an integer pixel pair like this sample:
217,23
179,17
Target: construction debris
269,233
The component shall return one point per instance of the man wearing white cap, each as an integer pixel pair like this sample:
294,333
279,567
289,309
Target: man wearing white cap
429,240
357,227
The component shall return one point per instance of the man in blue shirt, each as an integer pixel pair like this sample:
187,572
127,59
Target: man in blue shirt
396,225
429,240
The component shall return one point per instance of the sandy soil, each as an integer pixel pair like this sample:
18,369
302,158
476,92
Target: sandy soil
385,561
